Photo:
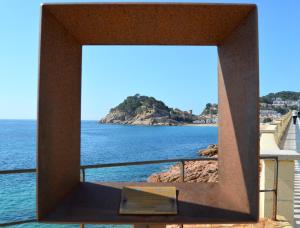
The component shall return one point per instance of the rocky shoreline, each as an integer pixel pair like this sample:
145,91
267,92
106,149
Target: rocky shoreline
195,171
141,120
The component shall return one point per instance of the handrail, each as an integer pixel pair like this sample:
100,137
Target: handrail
16,171
181,160
109,165
17,222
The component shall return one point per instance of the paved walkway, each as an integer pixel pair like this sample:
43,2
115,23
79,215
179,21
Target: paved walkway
292,142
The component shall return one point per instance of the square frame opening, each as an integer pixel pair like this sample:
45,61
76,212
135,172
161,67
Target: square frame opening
119,74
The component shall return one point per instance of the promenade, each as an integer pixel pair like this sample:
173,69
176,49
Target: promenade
292,142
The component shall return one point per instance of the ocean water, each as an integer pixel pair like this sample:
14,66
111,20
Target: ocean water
99,144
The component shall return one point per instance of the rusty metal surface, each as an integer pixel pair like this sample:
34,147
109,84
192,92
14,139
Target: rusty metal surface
58,157
149,24
99,203
238,116
66,27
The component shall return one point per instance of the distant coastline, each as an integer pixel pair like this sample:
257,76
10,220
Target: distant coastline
147,111
201,125
157,125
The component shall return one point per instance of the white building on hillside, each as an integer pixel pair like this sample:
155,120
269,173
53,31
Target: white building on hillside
278,102
269,113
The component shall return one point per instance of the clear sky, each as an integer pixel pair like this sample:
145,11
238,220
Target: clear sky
183,77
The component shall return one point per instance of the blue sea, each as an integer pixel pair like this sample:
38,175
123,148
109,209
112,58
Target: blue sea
99,144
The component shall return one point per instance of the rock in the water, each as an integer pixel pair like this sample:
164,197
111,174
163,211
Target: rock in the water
195,171
210,151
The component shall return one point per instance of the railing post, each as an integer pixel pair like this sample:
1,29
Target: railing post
83,175
275,187
182,170
280,173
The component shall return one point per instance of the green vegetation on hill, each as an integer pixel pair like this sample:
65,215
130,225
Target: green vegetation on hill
281,110
284,95
144,110
137,103
210,109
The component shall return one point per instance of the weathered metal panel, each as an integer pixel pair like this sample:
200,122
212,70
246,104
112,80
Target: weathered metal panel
238,116
58,160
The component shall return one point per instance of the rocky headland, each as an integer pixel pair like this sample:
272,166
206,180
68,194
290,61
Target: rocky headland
195,171
144,110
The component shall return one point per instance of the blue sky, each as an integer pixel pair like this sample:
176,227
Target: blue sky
183,77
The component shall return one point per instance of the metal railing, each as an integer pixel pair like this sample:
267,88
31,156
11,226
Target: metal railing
182,167
110,165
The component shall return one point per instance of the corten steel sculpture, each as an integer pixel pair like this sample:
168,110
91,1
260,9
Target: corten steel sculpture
66,27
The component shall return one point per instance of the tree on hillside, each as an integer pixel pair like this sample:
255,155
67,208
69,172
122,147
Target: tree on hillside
210,109
133,104
284,95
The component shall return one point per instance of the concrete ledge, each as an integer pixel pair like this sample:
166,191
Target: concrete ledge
268,142
268,128
287,155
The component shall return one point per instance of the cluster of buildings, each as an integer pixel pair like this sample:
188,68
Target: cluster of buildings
207,119
268,112
209,115
280,103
